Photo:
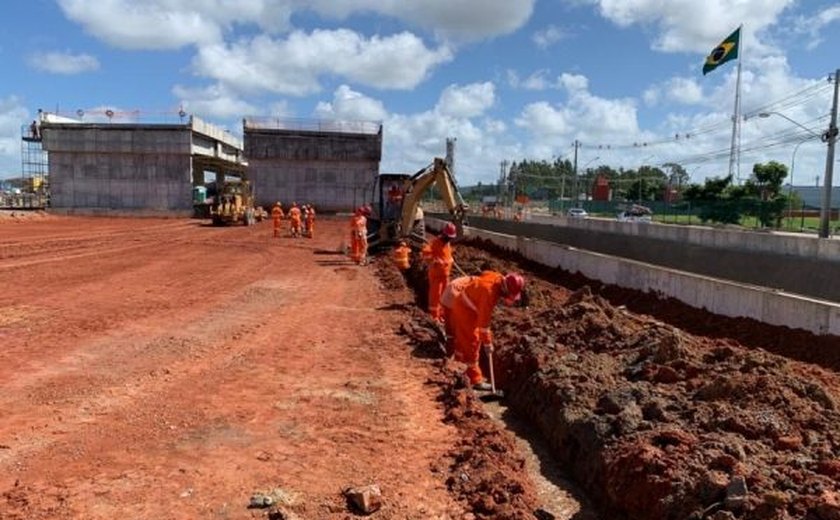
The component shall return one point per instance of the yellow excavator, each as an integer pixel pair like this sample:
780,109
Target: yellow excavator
396,212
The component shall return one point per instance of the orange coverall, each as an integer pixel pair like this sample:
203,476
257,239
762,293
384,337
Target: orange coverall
294,221
358,238
402,257
472,311
311,225
447,300
276,217
438,254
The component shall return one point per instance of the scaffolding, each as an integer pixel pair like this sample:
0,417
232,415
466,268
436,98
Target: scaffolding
31,190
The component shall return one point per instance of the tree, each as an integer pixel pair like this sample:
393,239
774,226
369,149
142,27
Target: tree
715,200
763,191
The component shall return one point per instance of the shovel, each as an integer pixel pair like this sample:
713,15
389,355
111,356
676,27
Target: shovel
494,395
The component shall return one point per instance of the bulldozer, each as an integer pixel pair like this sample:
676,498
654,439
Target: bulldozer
396,212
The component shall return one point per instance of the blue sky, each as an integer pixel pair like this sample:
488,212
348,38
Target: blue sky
510,79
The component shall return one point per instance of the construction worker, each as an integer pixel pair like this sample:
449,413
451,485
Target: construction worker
438,254
276,217
311,225
358,235
294,220
402,256
453,289
472,311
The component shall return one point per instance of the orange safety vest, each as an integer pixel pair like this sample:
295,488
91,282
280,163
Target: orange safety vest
439,256
402,257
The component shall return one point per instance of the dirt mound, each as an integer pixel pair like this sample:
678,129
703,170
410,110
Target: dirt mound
658,423
9,215
483,470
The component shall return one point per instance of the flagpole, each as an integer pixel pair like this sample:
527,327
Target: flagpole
734,150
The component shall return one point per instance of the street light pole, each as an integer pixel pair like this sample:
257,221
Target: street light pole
768,114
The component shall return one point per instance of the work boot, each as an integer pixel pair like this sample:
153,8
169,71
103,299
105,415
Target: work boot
483,386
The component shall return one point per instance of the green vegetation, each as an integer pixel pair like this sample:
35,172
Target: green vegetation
666,190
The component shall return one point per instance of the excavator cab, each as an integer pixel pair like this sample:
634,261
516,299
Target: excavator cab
396,211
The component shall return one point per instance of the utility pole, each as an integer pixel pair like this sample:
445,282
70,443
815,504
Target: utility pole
450,154
562,188
575,193
502,178
830,137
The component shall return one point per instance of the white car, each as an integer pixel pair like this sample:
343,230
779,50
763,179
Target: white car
577,213
628,216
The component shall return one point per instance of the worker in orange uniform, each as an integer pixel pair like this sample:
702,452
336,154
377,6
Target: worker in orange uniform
294,220
453,289
438,254
310,228
276,217
402,256
358,235
472,311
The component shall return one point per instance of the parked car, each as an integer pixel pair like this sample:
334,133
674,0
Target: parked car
577,213
636,213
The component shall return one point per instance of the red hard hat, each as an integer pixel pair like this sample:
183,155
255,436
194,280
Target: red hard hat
449,230
514,283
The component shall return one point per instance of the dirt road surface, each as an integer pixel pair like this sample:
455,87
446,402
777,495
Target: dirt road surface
168,369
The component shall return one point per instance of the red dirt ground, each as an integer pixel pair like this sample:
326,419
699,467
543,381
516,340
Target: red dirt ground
159,369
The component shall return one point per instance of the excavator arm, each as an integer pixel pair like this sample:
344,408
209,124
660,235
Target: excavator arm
437,174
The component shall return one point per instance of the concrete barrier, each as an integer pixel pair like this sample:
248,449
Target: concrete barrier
755,262
804,246
714,295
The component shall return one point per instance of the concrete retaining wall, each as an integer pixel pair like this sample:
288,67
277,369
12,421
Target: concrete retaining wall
780,244
813,272
716,296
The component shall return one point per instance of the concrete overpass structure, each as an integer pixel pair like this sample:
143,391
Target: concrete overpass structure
331,164
132,168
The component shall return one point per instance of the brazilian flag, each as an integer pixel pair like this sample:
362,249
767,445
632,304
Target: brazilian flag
727,50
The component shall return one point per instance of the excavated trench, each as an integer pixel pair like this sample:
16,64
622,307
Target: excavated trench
658,410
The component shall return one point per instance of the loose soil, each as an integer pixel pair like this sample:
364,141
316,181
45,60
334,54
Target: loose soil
157,368
657,420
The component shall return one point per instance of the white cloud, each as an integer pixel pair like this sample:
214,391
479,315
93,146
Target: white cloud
350,105
458,19
684,91
467,101
12,115
593,120
214,101
537,81
293,65
813,25
545,38
156,24
63,62
543,119
168,24
689,25
573,82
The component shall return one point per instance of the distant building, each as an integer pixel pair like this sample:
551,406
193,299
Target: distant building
601,189
811,196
